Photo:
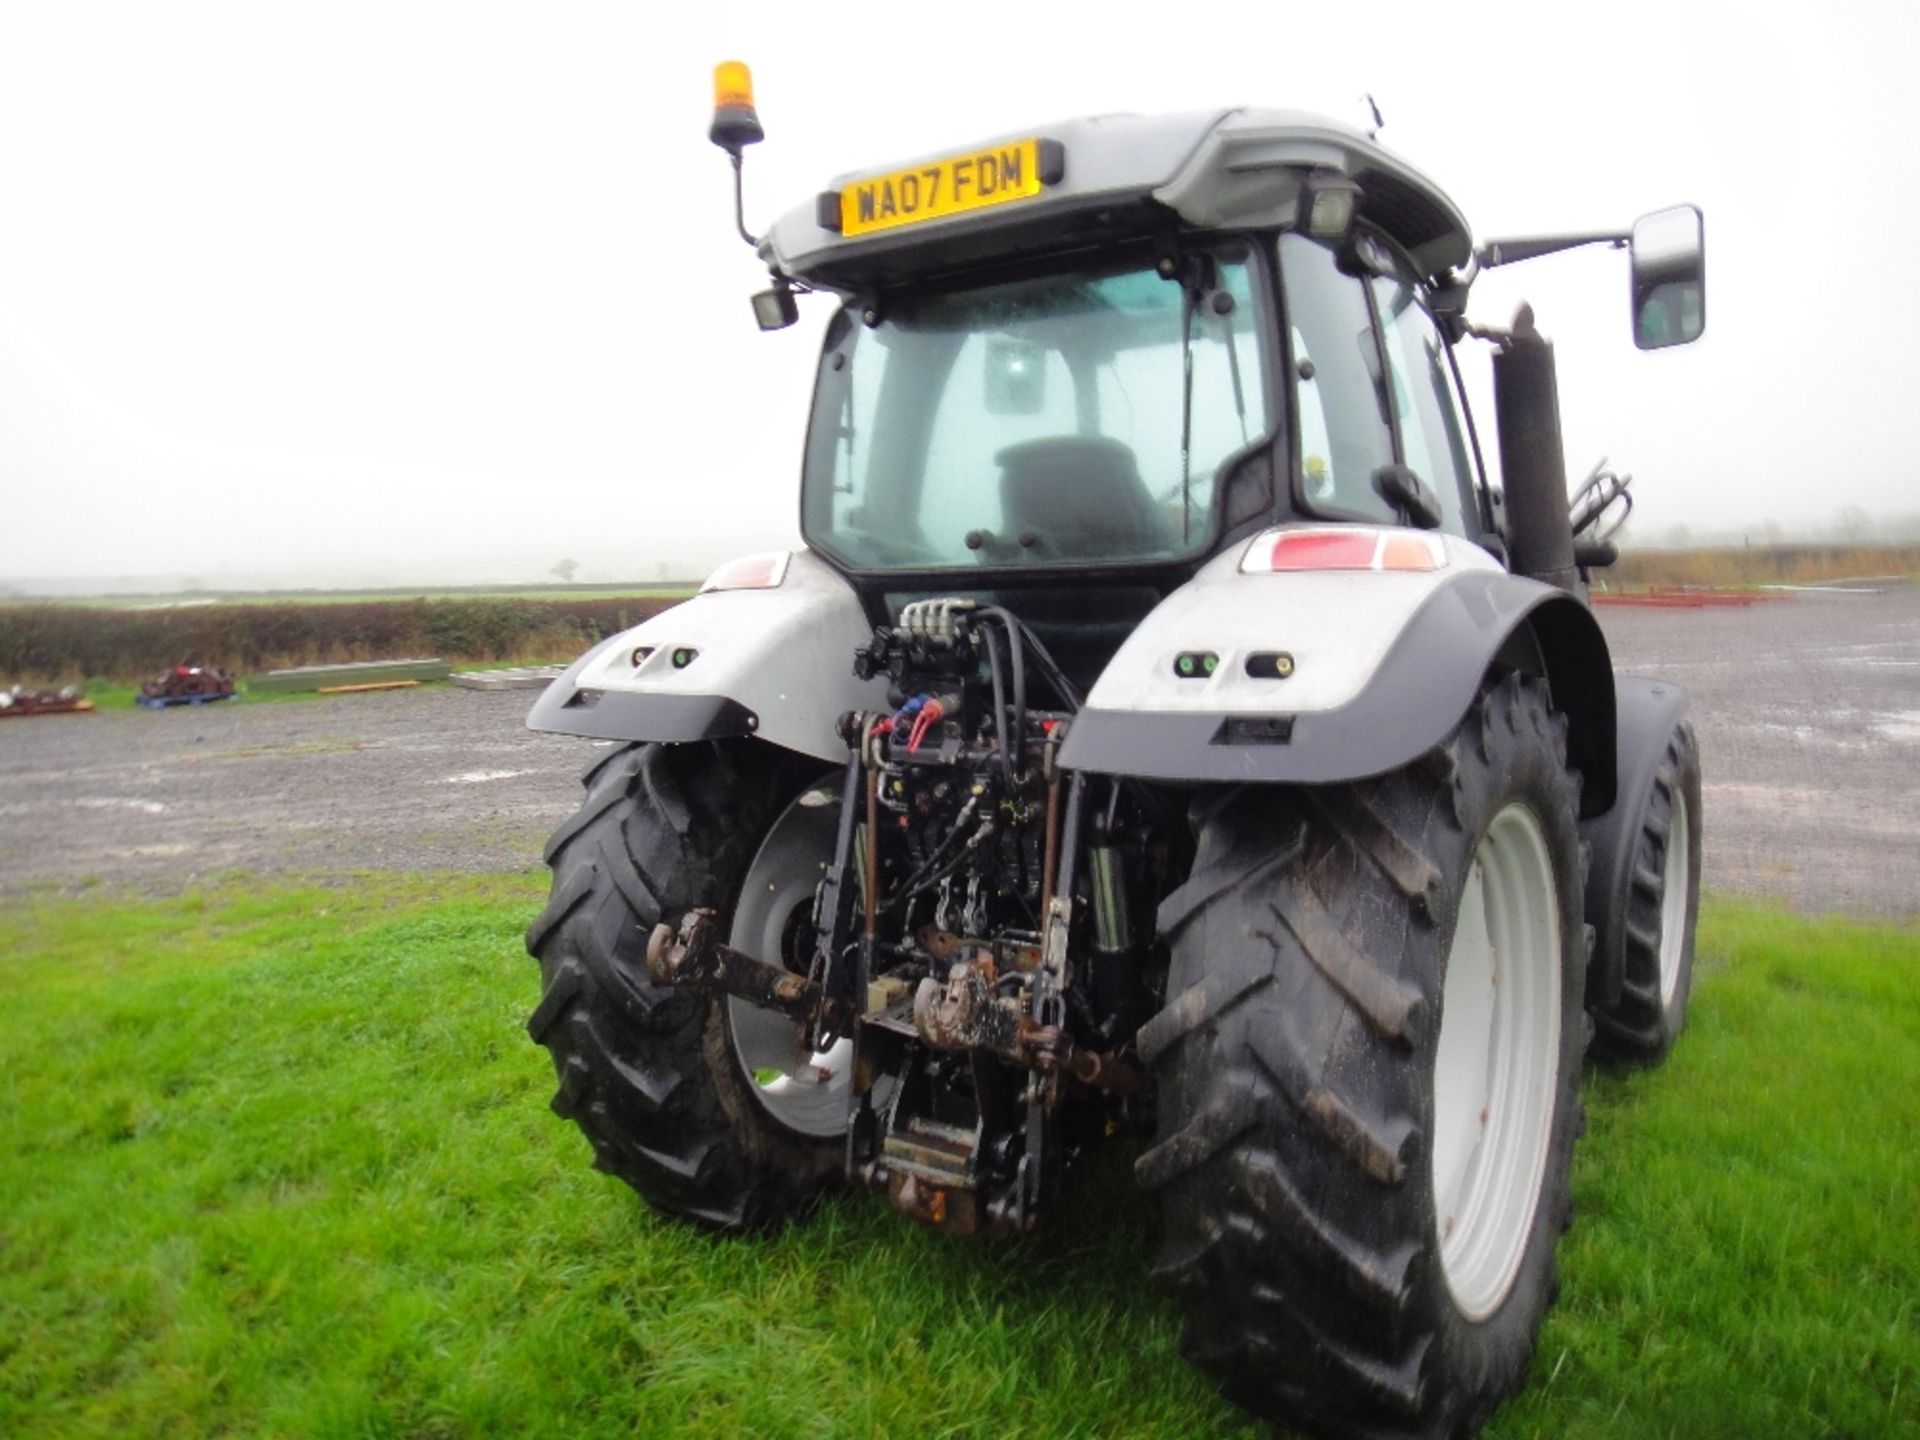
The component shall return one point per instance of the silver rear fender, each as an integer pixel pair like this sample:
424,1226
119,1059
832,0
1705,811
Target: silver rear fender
776,663
1321,676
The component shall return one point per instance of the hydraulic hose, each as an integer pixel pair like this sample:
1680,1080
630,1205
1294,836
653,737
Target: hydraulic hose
1008,739
930,869
1025,639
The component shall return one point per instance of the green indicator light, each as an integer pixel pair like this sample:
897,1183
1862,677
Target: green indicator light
1184,664
1210,662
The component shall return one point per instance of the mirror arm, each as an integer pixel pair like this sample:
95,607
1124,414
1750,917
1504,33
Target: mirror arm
1510,252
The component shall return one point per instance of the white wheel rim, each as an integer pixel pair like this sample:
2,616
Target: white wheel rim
804,1089
1673,899
1497,1062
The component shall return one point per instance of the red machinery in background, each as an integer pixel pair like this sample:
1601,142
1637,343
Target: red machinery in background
186,684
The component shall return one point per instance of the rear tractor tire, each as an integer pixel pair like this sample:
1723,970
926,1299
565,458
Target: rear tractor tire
1663,905
709,1119
1368,1079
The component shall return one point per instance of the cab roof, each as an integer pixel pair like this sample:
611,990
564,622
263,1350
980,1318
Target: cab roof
1129,176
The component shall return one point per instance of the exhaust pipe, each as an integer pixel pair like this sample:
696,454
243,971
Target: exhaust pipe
1533,465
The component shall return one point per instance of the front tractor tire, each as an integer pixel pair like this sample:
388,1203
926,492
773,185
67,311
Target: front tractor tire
1368,1077
655,1077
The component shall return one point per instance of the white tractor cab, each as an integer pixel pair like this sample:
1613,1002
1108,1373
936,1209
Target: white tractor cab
1166,729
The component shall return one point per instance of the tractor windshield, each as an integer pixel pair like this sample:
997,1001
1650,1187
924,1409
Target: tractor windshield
1078,418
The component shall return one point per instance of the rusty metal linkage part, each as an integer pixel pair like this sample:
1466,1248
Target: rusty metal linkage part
1048,1013
1007,953
870,845
1115,1072
966,1013
833,917
695,958
1050,861
955,1209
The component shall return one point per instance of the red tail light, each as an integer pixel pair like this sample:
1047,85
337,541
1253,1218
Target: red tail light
750,572
1343,547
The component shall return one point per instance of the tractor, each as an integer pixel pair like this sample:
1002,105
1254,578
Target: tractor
1166,731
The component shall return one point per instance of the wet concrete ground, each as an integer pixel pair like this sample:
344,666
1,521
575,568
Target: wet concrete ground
1808,711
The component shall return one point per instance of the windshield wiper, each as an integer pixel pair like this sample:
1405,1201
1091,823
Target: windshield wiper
1233,367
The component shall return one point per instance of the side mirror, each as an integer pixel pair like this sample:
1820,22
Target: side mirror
1669,250
1409,495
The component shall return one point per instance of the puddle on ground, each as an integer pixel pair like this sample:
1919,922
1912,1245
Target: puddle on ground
113,802
1825,738
1899,725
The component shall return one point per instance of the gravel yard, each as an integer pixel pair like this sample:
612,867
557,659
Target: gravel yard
1808,710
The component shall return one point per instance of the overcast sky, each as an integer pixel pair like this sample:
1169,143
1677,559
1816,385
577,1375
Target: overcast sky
334,293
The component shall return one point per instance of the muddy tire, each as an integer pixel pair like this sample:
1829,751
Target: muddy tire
651,1075
1324,1181
1663,905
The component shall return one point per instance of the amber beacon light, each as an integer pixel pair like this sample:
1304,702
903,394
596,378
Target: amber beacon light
735,125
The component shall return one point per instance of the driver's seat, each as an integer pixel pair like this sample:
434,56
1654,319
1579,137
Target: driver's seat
1081,498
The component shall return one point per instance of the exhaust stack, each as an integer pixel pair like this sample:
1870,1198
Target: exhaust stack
1533,463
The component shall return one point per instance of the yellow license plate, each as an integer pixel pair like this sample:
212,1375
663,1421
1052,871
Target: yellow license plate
951,186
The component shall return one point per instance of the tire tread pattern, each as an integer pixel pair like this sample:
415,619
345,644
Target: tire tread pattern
1305,989
648,1074
1639,1028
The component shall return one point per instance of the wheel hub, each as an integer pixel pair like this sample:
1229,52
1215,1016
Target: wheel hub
803,1088
1673,898
1496,1062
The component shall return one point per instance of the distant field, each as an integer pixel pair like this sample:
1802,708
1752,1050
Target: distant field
277,1161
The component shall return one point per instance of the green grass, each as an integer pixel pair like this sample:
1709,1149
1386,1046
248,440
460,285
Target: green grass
277,1161
113,695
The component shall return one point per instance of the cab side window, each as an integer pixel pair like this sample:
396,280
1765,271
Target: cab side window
1432,438
1338,380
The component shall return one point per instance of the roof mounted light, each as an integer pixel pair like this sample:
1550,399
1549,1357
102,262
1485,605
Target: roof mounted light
776,309
735,123
1328,203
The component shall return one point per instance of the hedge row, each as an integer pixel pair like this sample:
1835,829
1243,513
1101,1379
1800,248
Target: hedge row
1762,564
67,642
